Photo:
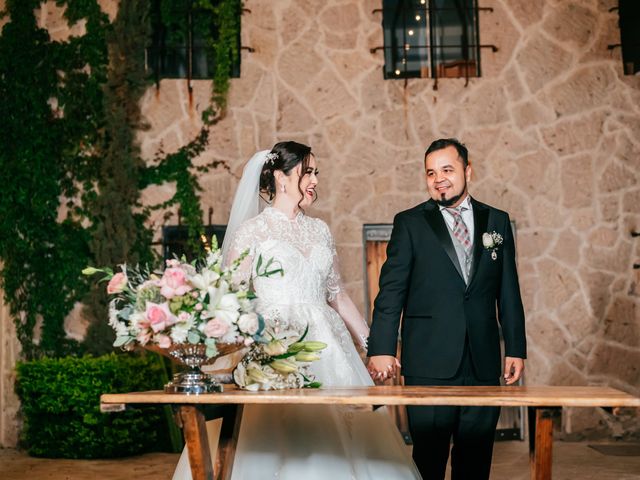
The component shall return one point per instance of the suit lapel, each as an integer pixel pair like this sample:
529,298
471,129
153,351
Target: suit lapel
439,227
480,222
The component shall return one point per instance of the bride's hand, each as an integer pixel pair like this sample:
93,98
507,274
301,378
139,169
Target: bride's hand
382,367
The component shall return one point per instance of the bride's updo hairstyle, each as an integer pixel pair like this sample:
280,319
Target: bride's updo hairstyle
284,156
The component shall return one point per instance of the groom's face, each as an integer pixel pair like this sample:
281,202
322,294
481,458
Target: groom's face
447,177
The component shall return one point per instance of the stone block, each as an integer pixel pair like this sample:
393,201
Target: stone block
598,290
540,61
485,106
563,373
612,259
548,336
351,66
586,88
531,114
340,18
298,63
571,22
567,248
617,363
547,215
329,96
293,22
373,97
559,285
622,322
533,244
577,181
538,173
421,120
577,319
513,85
527,13
265,43
339,134
293,115
616,177
568,136
504,34
395,129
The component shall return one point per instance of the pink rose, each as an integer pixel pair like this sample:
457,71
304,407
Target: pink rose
183,316
143,337
173,283
117,283
159,316
163,341
216,328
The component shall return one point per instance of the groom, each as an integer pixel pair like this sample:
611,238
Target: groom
450,267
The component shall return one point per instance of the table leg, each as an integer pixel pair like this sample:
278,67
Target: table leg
540,442
228,441
195,436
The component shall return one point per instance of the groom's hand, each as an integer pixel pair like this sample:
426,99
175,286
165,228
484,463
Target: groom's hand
513,368
381,367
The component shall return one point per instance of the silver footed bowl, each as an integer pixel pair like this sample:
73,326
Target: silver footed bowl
194,381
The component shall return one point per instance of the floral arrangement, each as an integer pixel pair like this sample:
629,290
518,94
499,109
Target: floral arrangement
279,360
491,241
201,303
195,303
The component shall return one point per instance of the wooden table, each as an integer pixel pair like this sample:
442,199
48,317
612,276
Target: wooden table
543,402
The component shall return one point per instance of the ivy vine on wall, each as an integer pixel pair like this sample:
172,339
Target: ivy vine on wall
72,169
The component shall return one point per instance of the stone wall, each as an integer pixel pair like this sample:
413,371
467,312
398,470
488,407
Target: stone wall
553,129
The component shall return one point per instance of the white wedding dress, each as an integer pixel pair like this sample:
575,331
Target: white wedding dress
293,442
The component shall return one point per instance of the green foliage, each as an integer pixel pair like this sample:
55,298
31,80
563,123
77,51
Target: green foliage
118,232
61,406
50,108
71,164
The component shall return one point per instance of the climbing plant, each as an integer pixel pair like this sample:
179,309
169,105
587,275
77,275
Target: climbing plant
72,169
51,112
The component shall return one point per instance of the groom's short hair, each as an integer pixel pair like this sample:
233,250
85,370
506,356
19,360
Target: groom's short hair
443,143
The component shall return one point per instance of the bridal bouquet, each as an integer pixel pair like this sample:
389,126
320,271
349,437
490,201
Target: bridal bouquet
186,303
279,359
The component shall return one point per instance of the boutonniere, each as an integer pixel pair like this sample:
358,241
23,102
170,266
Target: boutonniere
492,241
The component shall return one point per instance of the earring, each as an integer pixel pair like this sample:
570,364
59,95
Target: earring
282,189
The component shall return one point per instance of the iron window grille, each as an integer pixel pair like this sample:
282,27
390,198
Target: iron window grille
431,38
179,47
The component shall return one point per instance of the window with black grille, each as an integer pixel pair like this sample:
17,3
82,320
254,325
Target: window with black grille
430,38
629,21
181,41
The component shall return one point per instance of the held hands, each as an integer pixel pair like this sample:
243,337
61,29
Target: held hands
513,368
382,367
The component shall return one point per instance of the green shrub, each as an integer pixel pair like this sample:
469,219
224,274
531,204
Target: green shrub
61,406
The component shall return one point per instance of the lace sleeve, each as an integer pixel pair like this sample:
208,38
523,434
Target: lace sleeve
242,241
341,302
334,282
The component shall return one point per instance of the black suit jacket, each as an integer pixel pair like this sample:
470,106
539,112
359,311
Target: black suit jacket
422,282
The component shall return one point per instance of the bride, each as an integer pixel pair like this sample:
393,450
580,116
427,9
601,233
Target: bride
304,441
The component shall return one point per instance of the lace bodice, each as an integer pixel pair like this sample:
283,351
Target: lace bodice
304,248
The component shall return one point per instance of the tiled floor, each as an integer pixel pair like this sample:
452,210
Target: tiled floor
571,461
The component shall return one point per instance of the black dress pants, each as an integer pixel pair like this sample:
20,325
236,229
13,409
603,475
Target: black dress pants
472,430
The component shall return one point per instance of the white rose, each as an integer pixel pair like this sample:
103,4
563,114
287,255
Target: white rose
248,323
487,240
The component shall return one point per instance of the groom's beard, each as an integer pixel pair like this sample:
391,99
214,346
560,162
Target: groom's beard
447,202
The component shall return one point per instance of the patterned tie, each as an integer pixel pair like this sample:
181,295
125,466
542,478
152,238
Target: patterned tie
460,230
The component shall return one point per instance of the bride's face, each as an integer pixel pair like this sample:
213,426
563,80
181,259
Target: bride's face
307,181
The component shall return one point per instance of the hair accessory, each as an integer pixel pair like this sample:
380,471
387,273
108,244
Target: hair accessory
271,158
